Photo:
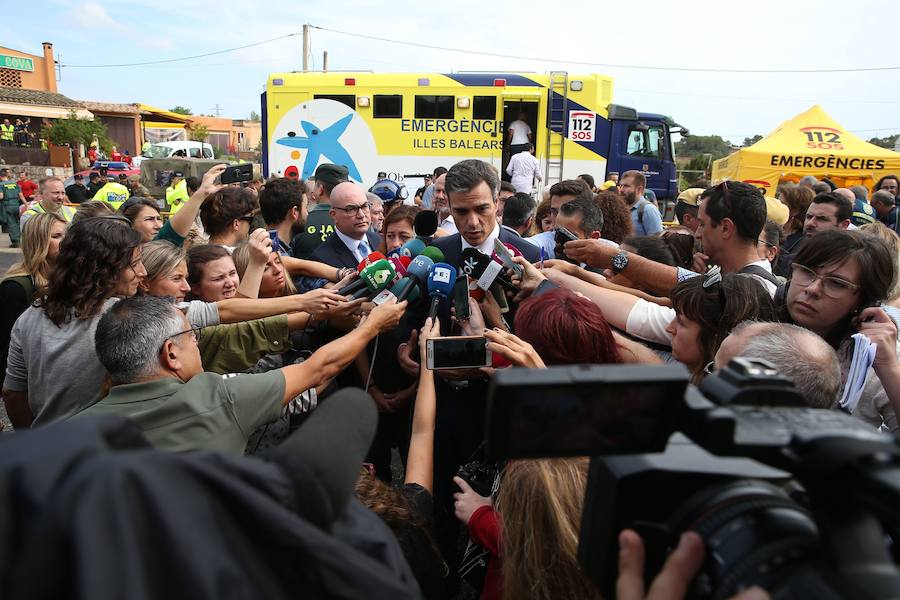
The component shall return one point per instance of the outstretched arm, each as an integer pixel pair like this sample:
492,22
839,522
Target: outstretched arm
182,220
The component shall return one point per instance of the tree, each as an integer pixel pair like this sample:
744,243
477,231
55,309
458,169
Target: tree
74,130
199,133
751,141
181,110
885,142
254,116
694,145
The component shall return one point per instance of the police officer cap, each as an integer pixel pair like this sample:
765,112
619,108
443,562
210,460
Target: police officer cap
330,174
389,190
178,174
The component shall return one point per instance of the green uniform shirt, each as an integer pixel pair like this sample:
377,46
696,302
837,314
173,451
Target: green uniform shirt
11,192
319,226
209,412
236,347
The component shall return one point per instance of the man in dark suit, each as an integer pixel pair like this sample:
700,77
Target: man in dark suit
352,241
472,187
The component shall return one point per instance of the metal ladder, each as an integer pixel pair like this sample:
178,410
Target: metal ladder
557,114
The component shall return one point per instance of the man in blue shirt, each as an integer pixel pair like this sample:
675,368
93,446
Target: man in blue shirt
644,214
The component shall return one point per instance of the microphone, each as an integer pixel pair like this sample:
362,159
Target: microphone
332,443
400,264
440,285
412,248
434,253
483,270
425,225
418,271
405,288
374,256
376,276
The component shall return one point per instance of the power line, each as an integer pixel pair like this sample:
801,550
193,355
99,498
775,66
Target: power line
755,98
171,60
593,64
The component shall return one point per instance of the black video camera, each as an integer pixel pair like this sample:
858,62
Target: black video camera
803,502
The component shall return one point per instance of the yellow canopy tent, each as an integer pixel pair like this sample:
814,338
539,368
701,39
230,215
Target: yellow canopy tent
811,143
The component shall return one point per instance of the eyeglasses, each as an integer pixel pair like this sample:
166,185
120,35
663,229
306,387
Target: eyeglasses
247,218
351,210
194,331
833,287
709,368
767,243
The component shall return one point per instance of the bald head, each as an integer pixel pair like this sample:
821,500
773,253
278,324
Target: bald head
796,352
350,209
846,193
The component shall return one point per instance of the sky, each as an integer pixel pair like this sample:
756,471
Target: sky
763,35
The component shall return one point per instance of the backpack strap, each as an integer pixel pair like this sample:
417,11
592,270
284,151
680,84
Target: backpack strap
762,274
641,204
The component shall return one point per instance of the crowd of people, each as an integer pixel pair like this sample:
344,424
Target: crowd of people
231,325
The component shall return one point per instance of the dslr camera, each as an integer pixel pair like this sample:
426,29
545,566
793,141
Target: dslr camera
803,502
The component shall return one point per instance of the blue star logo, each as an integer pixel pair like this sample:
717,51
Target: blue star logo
322,142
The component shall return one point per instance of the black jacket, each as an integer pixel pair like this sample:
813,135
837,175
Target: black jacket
92,511
334,252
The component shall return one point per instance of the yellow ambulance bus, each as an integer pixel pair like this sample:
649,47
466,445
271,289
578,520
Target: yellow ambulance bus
406,124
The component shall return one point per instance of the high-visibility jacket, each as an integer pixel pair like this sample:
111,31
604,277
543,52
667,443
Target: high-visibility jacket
6,132
114,194
177,196
66,212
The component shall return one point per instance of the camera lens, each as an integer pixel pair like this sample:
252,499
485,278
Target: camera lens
754,533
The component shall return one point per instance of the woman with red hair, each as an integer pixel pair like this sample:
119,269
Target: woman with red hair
566,328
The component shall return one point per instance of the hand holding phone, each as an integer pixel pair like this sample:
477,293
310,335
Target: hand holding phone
237,174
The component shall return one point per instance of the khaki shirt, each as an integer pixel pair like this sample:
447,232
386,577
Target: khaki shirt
209,412
237,346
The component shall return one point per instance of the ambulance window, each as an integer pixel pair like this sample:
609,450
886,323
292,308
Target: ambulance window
434,107
484,107
387,107
348,99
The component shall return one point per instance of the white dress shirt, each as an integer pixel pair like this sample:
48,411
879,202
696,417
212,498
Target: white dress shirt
449,225
487,246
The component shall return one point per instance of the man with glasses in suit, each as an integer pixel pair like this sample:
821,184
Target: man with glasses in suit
352,240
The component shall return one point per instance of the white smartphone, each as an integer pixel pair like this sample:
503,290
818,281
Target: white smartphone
460,352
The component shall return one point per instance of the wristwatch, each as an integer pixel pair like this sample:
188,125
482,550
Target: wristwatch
619,262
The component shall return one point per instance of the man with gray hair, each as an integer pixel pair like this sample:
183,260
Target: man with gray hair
885,207
150,353
796,352
376,212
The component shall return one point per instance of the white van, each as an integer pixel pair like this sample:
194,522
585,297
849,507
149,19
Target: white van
177,149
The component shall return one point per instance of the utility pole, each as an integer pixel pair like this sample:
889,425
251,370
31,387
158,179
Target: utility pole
305,47
324,61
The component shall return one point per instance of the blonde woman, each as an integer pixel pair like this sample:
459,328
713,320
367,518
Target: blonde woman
538,516
27,278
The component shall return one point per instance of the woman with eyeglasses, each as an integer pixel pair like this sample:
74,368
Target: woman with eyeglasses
53,371
835,276
228,215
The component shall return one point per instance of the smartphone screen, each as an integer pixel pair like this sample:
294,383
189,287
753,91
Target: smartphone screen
458,353
461,298
237,174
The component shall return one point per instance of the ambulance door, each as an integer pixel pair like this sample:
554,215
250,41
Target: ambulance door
519,105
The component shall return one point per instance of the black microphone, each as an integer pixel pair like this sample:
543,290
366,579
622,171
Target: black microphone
425,225
333,443
483,269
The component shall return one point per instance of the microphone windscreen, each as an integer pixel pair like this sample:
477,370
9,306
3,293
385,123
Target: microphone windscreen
399,267
378,275
441,280
412,248
425,223
434,253
333,443
406,289
419,268
373,257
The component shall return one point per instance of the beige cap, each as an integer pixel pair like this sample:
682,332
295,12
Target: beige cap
690,196
776,210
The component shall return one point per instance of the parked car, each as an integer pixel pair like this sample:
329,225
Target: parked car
176,149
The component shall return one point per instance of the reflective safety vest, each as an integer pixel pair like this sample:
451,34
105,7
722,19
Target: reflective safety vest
66,212
114,194
177,196
6,132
